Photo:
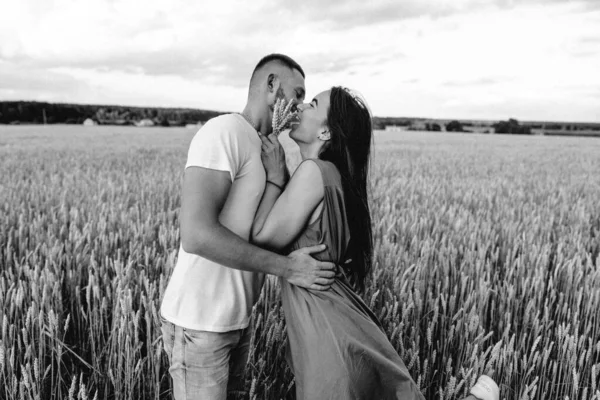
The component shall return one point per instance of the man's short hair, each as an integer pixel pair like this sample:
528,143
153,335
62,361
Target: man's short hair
282,58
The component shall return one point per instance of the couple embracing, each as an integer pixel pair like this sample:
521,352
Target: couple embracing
242,216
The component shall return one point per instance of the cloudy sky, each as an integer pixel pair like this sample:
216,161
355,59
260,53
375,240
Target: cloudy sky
480,59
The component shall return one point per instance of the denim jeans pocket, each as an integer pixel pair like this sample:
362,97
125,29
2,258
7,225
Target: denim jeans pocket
207,354
168,336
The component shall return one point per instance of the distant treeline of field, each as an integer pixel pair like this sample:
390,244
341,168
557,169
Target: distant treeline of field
510,126
31,112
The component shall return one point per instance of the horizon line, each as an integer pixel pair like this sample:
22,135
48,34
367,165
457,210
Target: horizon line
374,116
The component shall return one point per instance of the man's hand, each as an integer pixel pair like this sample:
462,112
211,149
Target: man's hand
309,273
273,158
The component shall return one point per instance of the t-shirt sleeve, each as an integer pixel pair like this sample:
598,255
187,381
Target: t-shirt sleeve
216,147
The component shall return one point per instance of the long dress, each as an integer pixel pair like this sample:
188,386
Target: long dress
337,347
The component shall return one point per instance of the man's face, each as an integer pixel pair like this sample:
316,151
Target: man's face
292,86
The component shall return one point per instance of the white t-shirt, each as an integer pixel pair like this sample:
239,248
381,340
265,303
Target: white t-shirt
201,294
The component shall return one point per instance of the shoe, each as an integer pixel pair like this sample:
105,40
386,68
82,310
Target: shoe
486,389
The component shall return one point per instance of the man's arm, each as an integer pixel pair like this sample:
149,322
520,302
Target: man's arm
204,194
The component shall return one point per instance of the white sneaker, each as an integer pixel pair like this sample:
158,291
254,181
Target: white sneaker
486,389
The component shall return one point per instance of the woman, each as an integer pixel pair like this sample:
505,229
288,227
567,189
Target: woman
337,347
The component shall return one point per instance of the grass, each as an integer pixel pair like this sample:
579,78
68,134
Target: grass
487,260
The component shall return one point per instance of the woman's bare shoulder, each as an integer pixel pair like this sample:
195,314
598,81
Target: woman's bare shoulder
308,177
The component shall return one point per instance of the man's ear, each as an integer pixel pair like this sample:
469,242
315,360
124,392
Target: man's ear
272,83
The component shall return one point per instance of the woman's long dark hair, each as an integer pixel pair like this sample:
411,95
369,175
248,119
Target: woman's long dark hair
349,148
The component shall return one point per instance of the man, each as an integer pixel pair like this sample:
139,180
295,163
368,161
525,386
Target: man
218,275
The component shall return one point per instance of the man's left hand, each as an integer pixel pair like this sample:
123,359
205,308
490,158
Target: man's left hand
273,159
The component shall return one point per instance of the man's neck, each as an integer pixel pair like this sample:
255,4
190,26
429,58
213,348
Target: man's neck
256,118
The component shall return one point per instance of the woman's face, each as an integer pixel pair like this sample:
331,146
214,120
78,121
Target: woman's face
311,120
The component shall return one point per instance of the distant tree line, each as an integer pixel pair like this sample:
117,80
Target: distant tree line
454,126
382,122
30,112
511,126
433,127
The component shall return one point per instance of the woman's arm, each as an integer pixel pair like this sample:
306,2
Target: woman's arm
282,216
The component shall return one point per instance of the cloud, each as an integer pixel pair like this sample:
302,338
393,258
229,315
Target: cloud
585,46
356,13
590,39
347,14
484,81
323,63
217,65
37,83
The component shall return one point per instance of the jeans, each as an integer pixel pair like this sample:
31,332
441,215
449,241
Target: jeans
206,365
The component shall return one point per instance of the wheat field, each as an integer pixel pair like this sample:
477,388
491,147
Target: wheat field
487,260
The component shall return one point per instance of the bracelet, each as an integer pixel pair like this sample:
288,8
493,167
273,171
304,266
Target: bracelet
274,184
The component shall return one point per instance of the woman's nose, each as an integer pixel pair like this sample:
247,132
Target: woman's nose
301,107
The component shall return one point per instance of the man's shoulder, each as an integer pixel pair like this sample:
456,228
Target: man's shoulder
224,122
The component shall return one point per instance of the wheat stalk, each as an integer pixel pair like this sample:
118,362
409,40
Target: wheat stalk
282,115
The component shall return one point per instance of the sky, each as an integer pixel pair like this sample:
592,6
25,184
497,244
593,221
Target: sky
469,59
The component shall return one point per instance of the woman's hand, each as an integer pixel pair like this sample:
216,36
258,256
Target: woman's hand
273,159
